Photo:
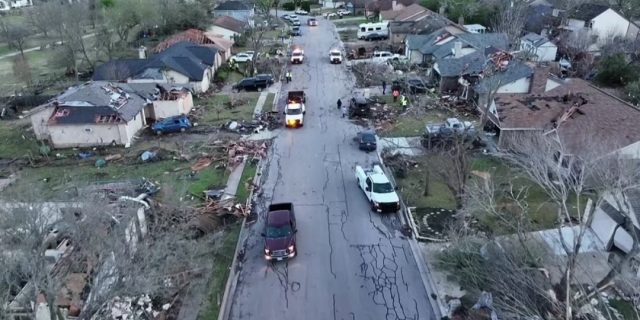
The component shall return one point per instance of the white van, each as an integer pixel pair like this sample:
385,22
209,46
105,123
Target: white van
365,29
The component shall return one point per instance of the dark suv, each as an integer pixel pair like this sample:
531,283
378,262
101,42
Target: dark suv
280,233
251,84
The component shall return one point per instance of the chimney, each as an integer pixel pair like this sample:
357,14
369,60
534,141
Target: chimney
142,52
461,20
394,4
457,49
442,10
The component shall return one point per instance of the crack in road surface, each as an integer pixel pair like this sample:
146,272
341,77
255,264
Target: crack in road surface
351,262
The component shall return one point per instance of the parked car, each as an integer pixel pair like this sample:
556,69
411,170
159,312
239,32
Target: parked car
312,22
412,84
295,31
265,76
366,141
344,13
302,12
375,37
293,17
242,57
329,15
359,107
285,17
251,84
172,124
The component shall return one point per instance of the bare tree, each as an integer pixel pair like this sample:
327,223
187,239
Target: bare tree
255,35
105,43
43,17
263,7
15,34
461,8
545,162
75,38
510,18
22,69
575,46
369,74
124,16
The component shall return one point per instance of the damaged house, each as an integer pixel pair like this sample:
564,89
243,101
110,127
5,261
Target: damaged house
400,30
577,113
101,113
419,48
201,38
468,65
183,63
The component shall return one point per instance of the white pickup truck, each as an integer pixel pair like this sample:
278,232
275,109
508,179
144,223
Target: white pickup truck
335,56
294,111
297,56
382,57
381,194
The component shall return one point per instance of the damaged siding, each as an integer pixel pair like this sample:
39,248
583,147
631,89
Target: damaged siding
85,135
39,122
519,86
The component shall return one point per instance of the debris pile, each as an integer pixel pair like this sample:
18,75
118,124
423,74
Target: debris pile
143,307
398,162
369,74
261,121
238,151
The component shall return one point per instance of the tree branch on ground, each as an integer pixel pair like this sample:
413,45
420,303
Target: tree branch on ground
369,74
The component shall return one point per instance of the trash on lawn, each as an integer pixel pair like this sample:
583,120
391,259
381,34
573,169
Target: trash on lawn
201,164
101,163
239,150
113,157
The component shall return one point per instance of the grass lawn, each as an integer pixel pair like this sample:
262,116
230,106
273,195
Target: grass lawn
626,308
242,194
217,111
220,272
348,35
207,179
541,211
272,35
268,103
412,124
16,141
40,69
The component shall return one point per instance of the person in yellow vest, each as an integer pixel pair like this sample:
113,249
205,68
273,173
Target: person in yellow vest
404,102
288,76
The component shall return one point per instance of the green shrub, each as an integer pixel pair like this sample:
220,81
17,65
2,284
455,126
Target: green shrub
289,6
306,7
221,75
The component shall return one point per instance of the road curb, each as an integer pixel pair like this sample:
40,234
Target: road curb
232,280
406,218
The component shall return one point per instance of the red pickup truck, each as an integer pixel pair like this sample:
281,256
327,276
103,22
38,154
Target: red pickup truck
280,233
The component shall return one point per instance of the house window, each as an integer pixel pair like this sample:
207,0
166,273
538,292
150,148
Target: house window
588,24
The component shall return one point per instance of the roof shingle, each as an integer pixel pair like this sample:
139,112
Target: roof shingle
603,119
229,23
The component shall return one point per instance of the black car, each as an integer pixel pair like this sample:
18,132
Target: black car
265,76
366,141
359,107
251,84
375,37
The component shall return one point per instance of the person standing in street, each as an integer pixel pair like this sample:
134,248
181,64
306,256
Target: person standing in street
339,104
384,87
345,111
288,76
396,93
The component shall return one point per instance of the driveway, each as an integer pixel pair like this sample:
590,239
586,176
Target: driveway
352,264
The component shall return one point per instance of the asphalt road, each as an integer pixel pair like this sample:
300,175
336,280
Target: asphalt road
353,264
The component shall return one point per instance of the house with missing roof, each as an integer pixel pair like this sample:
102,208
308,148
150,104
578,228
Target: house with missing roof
183,63
375,8
236,9
419,48
578,114
228,27
600,21
101,113
538,48
201,38
400,30
413,12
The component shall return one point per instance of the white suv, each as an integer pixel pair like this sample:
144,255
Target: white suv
343,12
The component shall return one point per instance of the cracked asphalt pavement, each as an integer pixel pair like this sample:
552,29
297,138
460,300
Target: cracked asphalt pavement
352,263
